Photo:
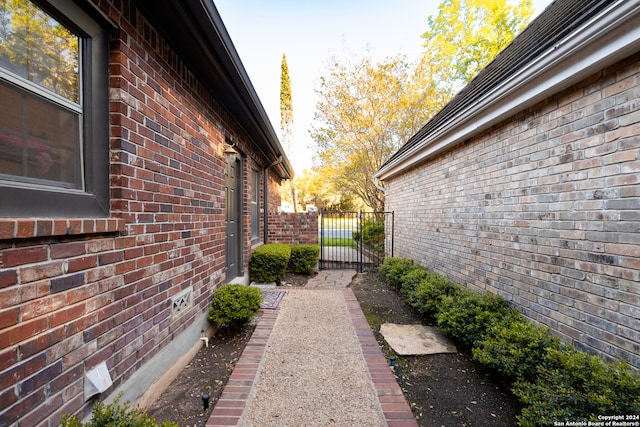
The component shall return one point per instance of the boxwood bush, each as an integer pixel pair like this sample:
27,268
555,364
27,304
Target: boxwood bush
394,268
428,294
234,304
552,380
516,347
268,263
576,386
304,258
467,315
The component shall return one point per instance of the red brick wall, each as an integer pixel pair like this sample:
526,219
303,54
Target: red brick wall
544,210
76,292
293,228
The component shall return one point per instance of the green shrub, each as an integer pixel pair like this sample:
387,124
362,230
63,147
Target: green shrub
304,258
234,304
115,414
394,268
268,263
467,315
373,232
429,293
410,280
516,347
578,387
553,381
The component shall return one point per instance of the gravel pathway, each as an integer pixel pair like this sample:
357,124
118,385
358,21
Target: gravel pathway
313,372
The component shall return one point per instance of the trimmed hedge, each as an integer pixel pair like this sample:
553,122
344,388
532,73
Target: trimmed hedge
268,263
234,304
552,380
304,258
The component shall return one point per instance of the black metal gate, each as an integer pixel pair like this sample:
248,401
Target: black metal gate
355,240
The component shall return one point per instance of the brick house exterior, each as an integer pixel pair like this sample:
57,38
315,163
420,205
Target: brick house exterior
527,184
117,269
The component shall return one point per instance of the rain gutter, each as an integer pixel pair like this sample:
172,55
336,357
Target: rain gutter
606,39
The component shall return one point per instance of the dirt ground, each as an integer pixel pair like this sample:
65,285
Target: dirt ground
443,390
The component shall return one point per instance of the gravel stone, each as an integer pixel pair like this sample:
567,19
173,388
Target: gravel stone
313,372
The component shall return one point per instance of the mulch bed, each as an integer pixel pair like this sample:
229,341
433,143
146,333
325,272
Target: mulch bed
442,390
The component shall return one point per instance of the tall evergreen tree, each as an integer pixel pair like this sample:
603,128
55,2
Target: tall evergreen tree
286,117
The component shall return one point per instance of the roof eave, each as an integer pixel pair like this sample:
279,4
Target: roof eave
196,32
606,39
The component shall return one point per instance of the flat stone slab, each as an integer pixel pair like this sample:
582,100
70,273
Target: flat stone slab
263,286
414,340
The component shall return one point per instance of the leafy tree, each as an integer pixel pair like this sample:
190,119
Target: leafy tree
316,186
366,111
38,48
467,34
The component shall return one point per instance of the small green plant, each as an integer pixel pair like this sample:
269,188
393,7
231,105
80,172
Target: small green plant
115,415
429,293
467,315
553,381
516,347
576,386
372,234
394,268
268,263
303,258
234,304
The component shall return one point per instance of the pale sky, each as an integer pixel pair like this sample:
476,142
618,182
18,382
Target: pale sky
310,32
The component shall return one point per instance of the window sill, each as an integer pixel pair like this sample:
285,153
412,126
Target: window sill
11,229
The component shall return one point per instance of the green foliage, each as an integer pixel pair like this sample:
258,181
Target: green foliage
304,258
338,241
466,316
394,268
553,381
467,34
234,304
372,234
516,347
576,386
430,292
268,263
410,279
366,110
115,415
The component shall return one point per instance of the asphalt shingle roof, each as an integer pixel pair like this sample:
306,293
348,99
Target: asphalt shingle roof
557,21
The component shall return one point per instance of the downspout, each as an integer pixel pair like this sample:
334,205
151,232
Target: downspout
265,217
376,182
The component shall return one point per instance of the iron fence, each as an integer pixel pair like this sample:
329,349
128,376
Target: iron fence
355,240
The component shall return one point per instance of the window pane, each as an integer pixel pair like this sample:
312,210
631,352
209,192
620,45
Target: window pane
38,48
39,140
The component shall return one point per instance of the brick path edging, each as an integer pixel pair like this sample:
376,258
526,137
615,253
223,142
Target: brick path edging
233,401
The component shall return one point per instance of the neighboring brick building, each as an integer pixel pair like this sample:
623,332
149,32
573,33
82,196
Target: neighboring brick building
527,184
132,184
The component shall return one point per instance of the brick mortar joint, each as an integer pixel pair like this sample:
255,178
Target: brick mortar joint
27,228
